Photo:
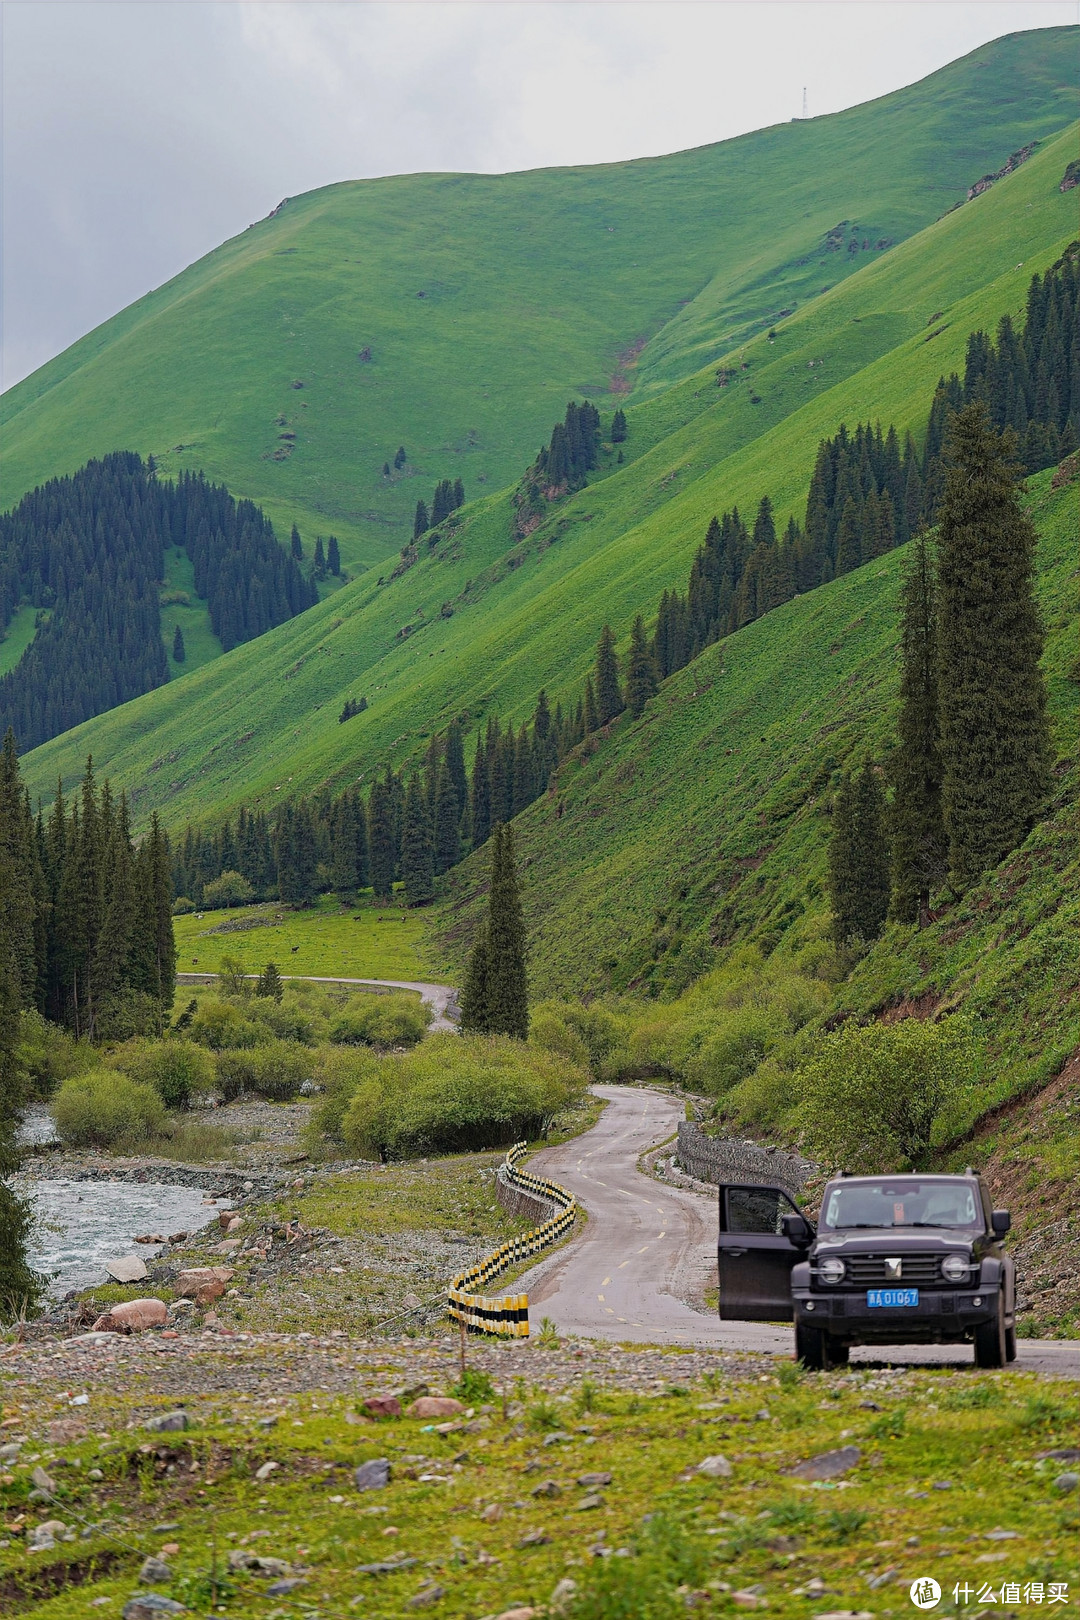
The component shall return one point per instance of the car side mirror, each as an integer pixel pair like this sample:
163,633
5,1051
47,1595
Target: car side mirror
796,1228
1001,1221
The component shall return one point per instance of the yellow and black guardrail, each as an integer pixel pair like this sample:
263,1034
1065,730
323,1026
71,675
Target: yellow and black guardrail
509,1316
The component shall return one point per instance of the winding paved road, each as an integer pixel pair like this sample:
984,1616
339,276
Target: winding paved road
441,998
646,1248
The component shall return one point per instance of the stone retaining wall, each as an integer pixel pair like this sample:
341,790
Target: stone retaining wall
516,1201
718,1159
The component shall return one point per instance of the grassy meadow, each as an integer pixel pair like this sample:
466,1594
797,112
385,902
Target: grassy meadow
362,942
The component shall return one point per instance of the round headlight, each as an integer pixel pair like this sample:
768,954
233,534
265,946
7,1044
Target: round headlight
954,1268
831,1271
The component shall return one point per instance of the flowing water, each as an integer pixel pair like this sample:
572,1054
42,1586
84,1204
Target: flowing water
81,1224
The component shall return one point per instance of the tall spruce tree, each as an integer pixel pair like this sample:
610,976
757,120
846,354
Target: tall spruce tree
495,995
417,846
20,1287
918,843
420,520
447,822
641,679
333,555
296,544
995,739
381,841
179,652
858,860
609,698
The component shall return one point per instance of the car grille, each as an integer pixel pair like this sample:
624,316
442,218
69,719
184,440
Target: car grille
868,1270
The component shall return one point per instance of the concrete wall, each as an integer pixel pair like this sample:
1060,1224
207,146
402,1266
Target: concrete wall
516,1201
719,1159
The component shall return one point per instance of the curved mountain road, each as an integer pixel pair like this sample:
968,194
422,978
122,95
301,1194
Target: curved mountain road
646,1248
441,998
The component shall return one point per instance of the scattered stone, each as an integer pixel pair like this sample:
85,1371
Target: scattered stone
547,1487
1060,1454
266,1470
425,1599
564,1590
715,1468
151,1606
280,1588
869,1406
1067,1482
413,1392
435,1406
492,1513
594,1481
224,1217
168,1423
10,1452
203,1283
42,1481
942,1485
62,1432
534,1538
128,1268
589,1502
132,1316
522,1613
373,1475
268,1422
154,1570
43,1536
559,1438
386,1566
846,1614
382,1406
827,1465
874,1581
749,1600
999,1534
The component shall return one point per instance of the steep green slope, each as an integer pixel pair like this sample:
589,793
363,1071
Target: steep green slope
263,720
454,314
706,822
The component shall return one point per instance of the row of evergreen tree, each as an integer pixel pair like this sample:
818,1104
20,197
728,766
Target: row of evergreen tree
324,560
87,913
869,494
971,766
570,455
449,495
88,552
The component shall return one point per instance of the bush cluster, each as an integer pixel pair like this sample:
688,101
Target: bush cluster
382,1022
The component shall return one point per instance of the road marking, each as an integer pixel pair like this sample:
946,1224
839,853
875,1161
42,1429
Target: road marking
600,1183
600,1297
663,1234
622,1318
621,1264
605,1282
642,1251
624,1192
609,1310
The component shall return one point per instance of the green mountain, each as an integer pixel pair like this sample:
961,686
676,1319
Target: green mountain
455,314
480,622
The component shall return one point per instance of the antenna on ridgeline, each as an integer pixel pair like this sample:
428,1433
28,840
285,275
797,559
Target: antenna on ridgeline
804,111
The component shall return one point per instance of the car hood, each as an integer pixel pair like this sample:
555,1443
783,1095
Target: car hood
889,1240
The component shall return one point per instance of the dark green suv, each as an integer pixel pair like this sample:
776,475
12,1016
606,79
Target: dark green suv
904,1259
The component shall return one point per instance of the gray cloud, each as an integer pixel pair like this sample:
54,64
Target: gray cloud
139,136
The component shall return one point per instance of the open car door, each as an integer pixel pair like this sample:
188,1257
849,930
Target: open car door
755,1255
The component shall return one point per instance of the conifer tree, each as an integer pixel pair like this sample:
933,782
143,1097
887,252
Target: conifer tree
319,558
495,997
590,718
447,823
849,538
858,860
995,740
400,457
641,678
919,848
296,545
20,1287
417,846
381,842
269,983
455,766
333,555
609,698
618,427
344,815
178,651
459,493
420,521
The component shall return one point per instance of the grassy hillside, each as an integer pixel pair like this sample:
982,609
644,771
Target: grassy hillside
454,314
262,721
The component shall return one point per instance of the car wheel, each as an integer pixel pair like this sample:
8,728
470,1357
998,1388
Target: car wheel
1010,1343
990,1350
839,1354
810,1348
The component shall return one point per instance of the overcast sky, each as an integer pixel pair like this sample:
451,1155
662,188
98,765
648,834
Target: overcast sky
139,135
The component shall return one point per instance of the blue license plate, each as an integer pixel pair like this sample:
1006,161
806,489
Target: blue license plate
892,1296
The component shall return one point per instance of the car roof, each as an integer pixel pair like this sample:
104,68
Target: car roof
909,1175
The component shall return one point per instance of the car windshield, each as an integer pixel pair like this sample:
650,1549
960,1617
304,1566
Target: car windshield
900,1201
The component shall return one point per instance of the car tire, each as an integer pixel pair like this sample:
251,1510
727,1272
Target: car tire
810,1348
1010,1343
990,1347
838,1354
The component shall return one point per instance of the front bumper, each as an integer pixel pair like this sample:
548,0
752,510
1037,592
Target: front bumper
942,1315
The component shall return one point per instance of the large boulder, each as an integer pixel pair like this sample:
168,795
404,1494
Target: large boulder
132,1316
128,1268
435,1406
373,1475
203,1284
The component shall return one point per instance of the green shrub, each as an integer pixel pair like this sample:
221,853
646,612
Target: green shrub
275,1070
455,1094
741,1040
182,906
764,1099
382,1021
104,1107
47,1055
222,1026
179,1071
551,1032
339,1071
286,1019
230,889
871,1092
